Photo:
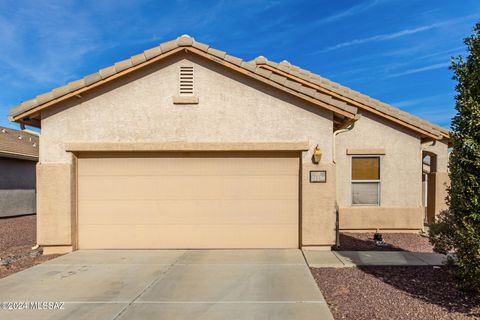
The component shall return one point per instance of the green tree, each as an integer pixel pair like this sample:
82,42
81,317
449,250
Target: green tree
458,228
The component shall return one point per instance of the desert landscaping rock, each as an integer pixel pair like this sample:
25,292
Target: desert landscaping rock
413,242
423,293
17,237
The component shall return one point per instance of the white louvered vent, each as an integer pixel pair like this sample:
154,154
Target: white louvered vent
186,81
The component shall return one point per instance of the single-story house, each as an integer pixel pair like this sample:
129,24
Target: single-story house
186,146
18,159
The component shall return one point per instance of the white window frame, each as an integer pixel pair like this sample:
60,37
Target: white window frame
378,182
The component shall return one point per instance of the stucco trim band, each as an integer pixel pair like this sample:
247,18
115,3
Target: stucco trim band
185,99
351,151
368,218
187,146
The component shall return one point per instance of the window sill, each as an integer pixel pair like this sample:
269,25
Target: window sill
371,151
185,99
365,206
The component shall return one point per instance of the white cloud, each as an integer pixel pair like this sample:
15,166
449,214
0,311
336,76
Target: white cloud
435,66
349,12
379,37
423,100
441,115
43,50
394,35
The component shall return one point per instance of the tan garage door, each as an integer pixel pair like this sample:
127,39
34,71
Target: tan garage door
191,200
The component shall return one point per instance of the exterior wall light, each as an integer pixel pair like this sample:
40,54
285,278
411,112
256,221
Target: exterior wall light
317,154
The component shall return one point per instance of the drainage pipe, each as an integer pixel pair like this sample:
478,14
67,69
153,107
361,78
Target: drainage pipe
349,126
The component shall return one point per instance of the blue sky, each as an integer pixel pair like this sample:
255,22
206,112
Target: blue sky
397,51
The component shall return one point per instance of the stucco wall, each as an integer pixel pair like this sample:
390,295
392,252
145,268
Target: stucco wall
400,174
437,180
139,108
318,207
17,187
55,204
231,108
440,149
371,219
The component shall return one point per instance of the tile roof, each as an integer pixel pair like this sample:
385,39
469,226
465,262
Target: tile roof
346,92
255,68
18,144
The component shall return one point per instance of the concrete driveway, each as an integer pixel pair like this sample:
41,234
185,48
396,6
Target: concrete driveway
168,284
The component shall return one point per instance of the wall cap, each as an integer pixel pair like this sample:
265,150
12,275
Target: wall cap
366,151
173,146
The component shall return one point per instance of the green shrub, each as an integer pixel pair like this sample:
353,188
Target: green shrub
458,228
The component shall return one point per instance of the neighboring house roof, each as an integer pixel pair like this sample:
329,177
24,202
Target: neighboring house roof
18,144
342,101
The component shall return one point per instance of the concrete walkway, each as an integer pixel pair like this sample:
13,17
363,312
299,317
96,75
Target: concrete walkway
340,259
169,284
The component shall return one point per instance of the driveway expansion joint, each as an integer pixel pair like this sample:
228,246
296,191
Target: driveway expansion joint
151,284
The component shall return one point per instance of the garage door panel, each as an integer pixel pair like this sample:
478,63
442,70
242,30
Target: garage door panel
173,237
188,201
200,212
189,166
188,187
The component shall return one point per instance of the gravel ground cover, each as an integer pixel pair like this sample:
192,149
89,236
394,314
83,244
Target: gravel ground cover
395,293
412,242
17,237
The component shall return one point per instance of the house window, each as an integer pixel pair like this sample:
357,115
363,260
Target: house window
366,180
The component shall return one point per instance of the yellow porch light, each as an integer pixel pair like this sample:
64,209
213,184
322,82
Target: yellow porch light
317,154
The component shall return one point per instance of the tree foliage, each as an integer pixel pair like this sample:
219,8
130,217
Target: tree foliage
458,228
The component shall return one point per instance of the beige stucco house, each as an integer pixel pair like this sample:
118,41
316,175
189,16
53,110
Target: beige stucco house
185,146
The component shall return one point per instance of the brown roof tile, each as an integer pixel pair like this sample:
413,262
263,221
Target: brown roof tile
217,53
234,60
107,72
60,91
139,58
168,46
74,85
123,65
152,53
92,78
201,46
184,41
249,66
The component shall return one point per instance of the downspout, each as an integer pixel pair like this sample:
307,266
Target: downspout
349,126
24,129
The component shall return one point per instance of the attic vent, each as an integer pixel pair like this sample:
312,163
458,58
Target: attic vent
186,81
